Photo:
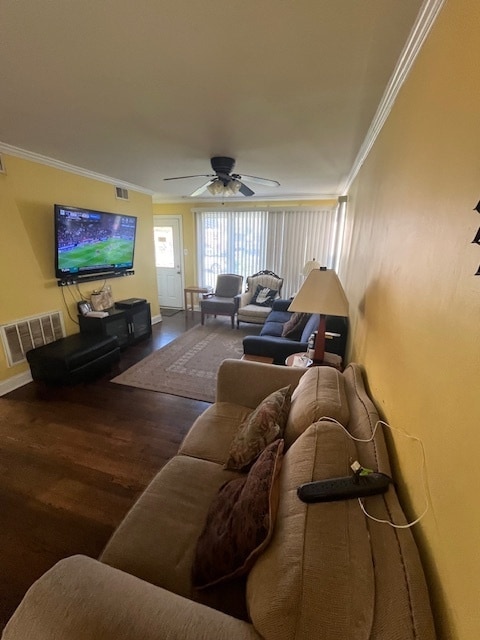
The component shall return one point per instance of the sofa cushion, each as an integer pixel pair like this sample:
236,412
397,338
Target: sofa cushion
153,542
264,425
264,296
239,522
211,435
293,329
316,575
320,393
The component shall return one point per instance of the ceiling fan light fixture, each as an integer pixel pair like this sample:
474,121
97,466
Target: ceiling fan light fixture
232,188
217,188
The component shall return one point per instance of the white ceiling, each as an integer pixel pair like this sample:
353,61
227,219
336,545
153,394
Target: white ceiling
147,89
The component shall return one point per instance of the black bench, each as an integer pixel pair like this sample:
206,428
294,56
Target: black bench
78,357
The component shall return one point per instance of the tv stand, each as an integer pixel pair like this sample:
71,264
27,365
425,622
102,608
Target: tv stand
128,325
66,282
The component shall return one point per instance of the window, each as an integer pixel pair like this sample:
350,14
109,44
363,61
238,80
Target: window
278,239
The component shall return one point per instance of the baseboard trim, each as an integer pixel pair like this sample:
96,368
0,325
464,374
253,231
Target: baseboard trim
157,319
10,384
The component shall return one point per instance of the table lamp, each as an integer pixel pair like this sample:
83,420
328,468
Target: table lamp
321,293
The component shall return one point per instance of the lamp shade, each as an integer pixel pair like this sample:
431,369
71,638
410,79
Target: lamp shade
321,293
311,264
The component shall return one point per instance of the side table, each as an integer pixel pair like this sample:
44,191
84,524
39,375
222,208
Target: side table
263,359
194,290
329,360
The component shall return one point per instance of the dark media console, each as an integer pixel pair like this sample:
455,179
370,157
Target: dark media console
129,324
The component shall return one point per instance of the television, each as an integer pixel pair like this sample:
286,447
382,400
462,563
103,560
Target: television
91,244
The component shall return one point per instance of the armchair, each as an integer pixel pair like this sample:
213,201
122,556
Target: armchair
223,301
257,312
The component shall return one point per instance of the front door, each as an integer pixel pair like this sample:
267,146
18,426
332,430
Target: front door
168,261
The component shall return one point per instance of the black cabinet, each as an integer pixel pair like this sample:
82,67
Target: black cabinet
129,325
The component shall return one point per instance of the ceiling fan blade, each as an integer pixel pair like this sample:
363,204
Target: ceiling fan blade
246,191
263,181
201,189
200,175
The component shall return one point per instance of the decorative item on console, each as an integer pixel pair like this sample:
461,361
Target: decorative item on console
102,299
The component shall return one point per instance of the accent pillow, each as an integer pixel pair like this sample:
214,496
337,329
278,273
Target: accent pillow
263,426
293,329
239,522
263,296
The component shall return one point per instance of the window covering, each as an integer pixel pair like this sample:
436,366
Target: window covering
245,241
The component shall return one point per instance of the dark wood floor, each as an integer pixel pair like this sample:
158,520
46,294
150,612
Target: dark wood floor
74,459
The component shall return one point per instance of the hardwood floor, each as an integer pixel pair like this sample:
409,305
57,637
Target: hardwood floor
74,459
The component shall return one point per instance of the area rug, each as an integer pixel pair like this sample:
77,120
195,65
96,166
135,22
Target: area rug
188,366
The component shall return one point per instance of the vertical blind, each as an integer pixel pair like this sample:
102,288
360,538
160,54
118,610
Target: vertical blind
279,239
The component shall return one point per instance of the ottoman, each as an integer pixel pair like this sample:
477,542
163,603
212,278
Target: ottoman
78,357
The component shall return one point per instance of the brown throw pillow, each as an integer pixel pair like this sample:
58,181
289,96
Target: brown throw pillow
294,327
239,522
263,426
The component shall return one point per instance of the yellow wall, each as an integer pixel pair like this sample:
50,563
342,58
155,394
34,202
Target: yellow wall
27,278
415,301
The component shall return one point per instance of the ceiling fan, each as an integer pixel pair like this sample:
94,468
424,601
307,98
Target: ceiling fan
224,182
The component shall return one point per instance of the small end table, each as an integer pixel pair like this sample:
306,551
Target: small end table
263,359
194,290
329,360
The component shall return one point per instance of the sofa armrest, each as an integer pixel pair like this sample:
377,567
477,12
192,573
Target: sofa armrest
244,299
84,599
248,383
274,347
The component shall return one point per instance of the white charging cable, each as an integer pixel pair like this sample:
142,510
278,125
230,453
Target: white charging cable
424,467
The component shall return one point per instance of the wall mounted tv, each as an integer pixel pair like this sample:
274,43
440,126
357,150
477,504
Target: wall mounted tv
90,245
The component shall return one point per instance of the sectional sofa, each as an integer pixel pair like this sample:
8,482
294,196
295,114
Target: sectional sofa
318,570
272,344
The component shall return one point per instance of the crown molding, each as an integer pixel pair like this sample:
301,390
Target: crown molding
420,30
64,166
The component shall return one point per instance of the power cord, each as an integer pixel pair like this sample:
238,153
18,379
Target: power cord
358,469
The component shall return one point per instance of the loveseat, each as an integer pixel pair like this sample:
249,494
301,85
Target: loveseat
327,571
271,344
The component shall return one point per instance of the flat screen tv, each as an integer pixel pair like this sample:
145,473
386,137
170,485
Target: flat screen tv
89,243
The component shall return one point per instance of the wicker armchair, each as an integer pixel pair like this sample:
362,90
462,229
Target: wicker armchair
223,302
256,303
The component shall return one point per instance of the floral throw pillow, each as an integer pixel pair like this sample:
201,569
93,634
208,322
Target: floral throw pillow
263,296
239,522
263,426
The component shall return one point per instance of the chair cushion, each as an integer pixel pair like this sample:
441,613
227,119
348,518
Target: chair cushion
264,296
228,285
239,522
253,313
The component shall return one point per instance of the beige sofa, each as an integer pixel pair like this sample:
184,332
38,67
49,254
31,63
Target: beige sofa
328,572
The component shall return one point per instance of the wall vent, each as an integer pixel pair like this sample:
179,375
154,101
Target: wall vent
121,193
22,335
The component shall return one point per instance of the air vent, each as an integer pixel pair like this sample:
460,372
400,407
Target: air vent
121,194
21,336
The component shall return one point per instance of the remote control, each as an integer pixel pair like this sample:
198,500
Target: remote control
344,488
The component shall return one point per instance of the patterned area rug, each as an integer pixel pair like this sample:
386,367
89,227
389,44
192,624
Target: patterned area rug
188,366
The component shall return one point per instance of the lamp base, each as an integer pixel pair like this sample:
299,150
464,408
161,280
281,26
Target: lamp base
319,353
